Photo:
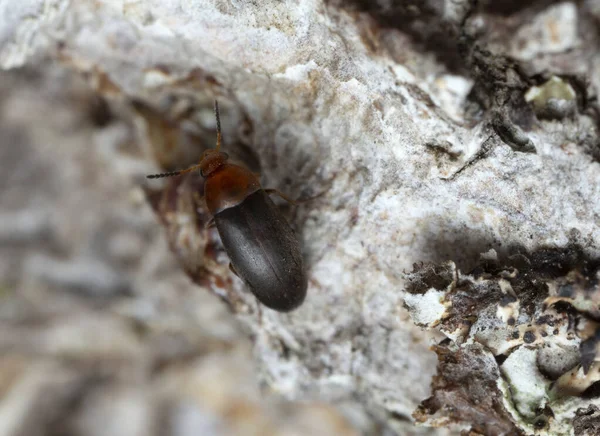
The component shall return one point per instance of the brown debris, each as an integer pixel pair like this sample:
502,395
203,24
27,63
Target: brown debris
587,421
545,301
465,391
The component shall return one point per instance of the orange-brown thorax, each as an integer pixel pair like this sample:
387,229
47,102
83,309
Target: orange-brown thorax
227,186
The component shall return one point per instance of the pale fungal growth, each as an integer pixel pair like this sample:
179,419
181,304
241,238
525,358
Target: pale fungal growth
555,98
428,308
576,381
533,320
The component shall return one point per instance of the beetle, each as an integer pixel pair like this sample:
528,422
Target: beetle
262,247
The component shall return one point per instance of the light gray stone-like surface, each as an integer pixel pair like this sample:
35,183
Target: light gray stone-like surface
323,99
101,333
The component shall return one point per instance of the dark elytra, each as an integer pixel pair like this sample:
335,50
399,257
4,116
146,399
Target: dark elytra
261,245
264,251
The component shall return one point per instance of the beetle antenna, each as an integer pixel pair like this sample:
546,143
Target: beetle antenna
173,173
195,167
218,126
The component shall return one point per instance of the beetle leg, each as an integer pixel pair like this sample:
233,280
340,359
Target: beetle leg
233,269
210,224
282,195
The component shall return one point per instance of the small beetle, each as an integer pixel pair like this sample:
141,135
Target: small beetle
261,245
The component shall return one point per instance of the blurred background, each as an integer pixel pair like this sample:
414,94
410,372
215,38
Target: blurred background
101,333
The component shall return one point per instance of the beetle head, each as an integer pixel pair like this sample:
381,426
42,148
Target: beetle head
212,160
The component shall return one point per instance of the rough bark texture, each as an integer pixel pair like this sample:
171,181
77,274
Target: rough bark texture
425,131
521,354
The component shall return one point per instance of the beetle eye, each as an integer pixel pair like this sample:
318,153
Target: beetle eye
225,155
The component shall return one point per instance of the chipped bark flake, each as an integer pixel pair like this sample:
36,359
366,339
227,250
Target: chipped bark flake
587,421
535,316
465,392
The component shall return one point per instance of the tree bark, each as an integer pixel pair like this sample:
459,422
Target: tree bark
425,134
